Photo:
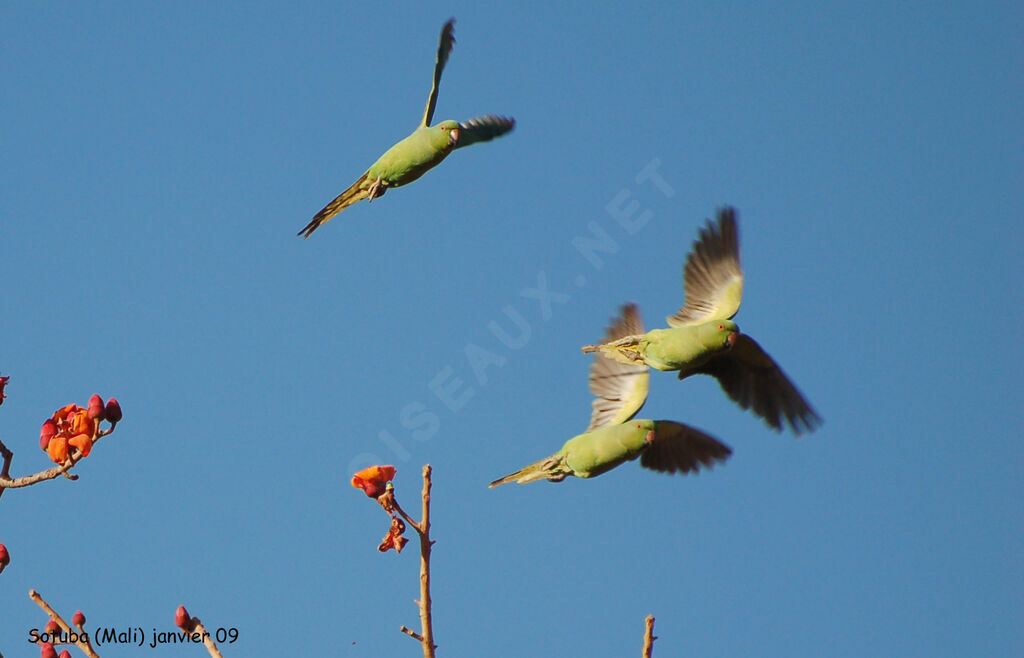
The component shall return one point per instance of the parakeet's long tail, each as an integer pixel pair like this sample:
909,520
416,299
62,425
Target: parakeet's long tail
355,193
622,350
552,468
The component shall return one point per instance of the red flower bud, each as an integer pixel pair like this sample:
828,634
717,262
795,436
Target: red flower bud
3,382
52,627
96,409
5,557
182,619
78,619
64,654
47,432
46,650
113,410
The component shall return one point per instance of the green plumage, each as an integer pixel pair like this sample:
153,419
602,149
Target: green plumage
424,149
612,438
702,339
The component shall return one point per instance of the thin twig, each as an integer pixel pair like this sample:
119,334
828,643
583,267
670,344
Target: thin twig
197,627
84,645
7,482
411,633
649,636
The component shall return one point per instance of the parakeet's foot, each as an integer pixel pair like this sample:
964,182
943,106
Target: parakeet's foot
377,189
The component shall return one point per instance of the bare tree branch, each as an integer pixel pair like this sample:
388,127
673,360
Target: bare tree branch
422,528
649,636
197,627
84,645
7,482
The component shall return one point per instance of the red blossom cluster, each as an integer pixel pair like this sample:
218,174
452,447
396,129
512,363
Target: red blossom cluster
74,427
5,558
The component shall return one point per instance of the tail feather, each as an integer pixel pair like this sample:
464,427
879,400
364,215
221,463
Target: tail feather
621,350
552,468
356,192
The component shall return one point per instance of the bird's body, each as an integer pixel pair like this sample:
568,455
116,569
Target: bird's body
421,151
415,155
620,387
702,339
588,454
683,348
400,165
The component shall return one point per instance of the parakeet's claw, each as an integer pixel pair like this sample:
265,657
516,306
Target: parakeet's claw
632,355
376,189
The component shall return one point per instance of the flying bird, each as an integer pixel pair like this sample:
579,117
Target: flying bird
702,339
419,152
613,437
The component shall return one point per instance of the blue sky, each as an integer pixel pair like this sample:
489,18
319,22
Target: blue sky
159,158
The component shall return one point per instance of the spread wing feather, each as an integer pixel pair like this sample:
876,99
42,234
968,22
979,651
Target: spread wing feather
620,389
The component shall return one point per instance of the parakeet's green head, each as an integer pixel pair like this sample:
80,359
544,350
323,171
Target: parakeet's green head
718,335
641,436
448,133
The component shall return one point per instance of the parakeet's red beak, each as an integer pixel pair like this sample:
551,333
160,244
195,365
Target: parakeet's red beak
731,340
453,136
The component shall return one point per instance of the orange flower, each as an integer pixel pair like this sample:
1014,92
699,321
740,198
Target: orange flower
61,414
58,449
82,424
83,442
372,480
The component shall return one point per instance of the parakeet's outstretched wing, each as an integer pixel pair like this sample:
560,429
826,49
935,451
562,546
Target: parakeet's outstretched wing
712,278
620,388
681,448
444,47
483,129
754,381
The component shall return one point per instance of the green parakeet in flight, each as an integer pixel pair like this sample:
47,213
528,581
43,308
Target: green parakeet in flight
419,152
703,339
612,437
